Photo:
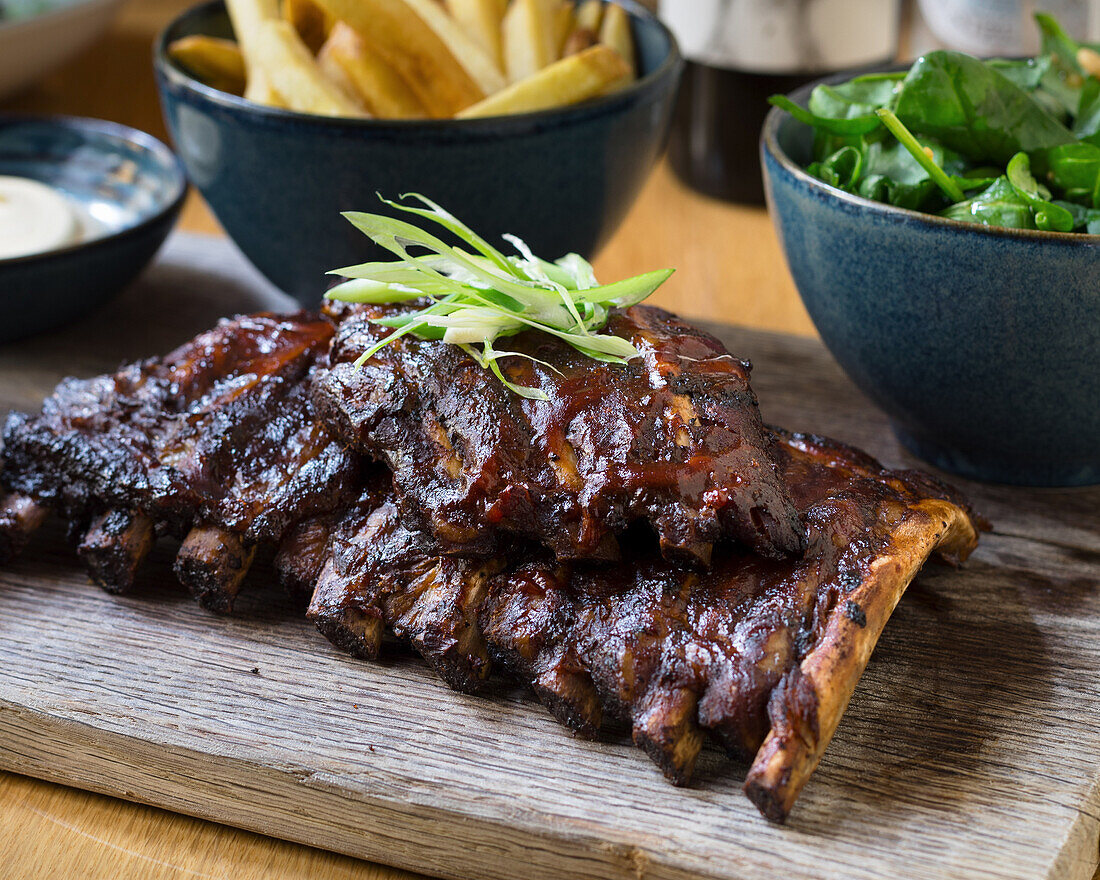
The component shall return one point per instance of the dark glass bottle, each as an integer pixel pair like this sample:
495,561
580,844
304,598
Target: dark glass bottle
741,51
713,146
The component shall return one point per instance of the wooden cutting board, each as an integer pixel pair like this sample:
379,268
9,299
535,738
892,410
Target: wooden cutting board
971,747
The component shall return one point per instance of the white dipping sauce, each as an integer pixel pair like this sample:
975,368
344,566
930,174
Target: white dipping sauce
34,218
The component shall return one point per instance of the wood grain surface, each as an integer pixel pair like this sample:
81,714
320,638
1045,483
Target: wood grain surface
729,268
972,747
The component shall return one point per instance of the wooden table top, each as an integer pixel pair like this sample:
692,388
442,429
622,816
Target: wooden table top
729,268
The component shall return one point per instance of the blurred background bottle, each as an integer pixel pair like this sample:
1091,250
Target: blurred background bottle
998,27
741,51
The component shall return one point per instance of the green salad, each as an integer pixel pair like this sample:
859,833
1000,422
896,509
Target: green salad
1012,143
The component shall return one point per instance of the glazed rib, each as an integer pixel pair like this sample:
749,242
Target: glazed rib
219,443
673,438
759,654
216,442
380,574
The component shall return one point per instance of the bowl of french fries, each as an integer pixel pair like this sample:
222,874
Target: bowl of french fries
542,118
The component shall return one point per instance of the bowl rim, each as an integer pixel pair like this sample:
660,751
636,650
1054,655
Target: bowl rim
57,13
644,85
769,142
134,135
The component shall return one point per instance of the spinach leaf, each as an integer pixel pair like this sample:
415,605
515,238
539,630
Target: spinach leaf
1058,44
1027,73
1058,93
1039,78
855,98
1084,219
1048,216
892,175
968,182
844,125
974,109
924,157
841,169
918,196
1064,80
1087,124
998,205
1074,169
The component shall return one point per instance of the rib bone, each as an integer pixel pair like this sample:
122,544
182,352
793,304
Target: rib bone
350,626
212,563
20,516
114,547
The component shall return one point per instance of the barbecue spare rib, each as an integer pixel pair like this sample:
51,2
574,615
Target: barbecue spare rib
673,437
220,442
761,654
216,443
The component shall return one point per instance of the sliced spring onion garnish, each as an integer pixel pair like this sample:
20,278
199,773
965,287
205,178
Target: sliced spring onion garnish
480,295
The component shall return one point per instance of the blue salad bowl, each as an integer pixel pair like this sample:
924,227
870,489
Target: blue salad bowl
981,344
562,179
128,186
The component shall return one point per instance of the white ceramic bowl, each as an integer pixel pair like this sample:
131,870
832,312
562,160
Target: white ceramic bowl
32,47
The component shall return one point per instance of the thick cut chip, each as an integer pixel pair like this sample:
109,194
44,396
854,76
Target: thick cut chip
218,63
419,54
615,32
348,60
586,74
530,38
288,65
482,19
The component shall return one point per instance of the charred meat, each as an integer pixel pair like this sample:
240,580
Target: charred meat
759,654
216,442
673,438
227,444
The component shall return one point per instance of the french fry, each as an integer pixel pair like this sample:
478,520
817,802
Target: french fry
529,38
290,68
311,22
590,15
346,59
477,61
564,22
578,41
335,74
615,32
592,72
247,16
416,52
216,62
481,18
260,91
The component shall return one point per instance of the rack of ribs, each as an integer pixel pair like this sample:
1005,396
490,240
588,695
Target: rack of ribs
673,438
760,654
233,440
215,443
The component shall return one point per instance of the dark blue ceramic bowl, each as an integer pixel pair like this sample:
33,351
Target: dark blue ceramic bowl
129,184
981,344
561,179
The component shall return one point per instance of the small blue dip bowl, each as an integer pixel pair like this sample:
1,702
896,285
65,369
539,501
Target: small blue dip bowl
129,187
981,344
